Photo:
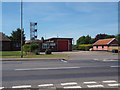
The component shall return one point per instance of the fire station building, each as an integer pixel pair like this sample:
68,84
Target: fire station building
55,44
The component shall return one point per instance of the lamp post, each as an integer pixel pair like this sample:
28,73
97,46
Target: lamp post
21,32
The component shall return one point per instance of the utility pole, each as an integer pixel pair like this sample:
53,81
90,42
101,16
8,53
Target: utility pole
21,32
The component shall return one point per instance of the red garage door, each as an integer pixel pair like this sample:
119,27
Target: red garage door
62,45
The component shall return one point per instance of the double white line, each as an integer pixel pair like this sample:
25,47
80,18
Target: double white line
111,81
93,86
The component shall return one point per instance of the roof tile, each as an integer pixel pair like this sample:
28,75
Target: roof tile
103,41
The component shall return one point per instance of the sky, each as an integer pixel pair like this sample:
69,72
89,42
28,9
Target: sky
62,19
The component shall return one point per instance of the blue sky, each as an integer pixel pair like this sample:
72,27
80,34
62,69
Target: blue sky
65,19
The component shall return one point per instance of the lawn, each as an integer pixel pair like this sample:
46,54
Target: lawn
17,54
11,53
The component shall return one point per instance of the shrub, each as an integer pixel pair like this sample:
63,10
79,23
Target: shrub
26,48
75,47
83,47
34,48
36,52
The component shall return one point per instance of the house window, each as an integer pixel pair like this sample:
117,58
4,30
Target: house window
45,46
96,47
102,47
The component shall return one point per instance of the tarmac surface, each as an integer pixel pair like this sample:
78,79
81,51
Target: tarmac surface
80,70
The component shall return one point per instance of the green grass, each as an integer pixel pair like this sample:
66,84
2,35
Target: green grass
16,54
11,53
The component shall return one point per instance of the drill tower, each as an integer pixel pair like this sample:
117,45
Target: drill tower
33,31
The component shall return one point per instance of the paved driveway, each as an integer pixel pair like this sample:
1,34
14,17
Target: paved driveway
85,55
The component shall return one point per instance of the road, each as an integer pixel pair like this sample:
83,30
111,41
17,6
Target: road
60,73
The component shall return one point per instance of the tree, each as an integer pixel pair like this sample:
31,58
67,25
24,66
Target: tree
109,36
84,40
4,34
118,38
100,36
81,40
16,36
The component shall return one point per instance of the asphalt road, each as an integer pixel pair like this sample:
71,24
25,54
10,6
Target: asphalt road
61,73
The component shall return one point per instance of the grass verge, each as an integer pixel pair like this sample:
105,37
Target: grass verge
16,54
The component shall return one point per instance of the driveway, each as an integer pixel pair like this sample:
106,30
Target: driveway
86,55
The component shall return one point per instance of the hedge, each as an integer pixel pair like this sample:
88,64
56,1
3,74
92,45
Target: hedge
83,47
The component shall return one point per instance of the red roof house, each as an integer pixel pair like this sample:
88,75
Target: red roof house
103,44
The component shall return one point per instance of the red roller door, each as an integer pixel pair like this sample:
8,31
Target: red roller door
62,45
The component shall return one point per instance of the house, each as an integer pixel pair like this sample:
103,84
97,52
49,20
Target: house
5,43
105,44
55,44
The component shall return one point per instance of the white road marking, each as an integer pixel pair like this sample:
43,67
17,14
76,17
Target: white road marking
96,59
23,86
46,68
69,83
114,66
94,86
113,85
69,87
64,60
45,85
109,81
109,60
90,82
1,87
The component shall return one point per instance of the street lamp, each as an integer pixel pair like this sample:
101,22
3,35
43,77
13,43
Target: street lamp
21,32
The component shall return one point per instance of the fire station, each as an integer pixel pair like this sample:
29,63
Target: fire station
55,44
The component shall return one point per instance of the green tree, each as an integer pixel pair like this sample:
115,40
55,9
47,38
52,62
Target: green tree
85,40
109,36
16,36
118,38
100,36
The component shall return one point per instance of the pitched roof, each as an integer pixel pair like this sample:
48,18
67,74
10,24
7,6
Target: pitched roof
104,41
3,37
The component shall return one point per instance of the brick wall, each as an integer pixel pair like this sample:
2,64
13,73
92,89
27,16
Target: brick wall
113,47
100,48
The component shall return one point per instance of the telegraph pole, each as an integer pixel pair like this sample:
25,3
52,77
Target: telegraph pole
21,32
